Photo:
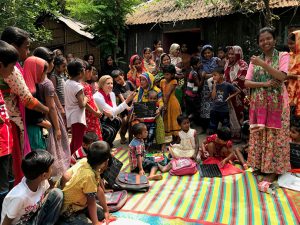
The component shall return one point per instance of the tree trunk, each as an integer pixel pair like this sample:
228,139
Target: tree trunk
268,17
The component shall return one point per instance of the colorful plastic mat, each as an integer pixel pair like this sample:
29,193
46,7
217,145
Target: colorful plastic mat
228,200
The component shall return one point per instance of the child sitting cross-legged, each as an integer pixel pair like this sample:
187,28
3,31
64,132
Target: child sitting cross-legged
27,203
138,162
88,139
82,186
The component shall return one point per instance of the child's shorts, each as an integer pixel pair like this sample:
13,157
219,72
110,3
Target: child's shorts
147,164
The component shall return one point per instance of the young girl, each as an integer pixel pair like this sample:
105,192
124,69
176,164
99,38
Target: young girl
148,61
58,77
189,144
136,69
171,105
92,112
75,104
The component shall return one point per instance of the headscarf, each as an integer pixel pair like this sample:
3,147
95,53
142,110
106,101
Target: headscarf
294,64
160,60
34,68
136,57
209,64
142,95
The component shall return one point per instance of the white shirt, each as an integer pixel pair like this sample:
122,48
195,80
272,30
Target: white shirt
21,203
115,110
74,113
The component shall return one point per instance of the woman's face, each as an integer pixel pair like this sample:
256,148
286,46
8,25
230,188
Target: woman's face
292,45
108,86
138,64
91,60
144,82
208,54
109,61
231,56
176,52
166,60
23,50
158,45
266,42
147,54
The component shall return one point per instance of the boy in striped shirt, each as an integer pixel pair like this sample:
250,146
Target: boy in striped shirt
88,139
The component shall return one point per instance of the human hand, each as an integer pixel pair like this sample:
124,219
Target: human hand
256,60
130,97
223,162
272,83
142,172
98,114
57,134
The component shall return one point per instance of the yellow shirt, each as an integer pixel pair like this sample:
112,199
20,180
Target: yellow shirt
83,181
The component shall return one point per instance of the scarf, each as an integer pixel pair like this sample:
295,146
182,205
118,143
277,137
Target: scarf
294,64
106,97
208,64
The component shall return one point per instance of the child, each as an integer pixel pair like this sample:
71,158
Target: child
192,88
93,114
148,62
75,101
171,105
189,144
82,187
136,69
8,59
221,93
58,78
88,139
138,162
222,56
122,89
27,203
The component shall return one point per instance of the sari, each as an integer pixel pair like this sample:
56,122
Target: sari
135,78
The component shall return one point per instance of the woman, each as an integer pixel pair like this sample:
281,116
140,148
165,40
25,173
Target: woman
17,96
154,54
58,141
235,72
106,101
147,85
164,60
136,66
108,65
209,63
269,150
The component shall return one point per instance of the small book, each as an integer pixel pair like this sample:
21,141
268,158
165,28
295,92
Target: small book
112,198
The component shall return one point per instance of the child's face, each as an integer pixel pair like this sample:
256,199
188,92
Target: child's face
88,74
47,175
221,54
166,60
144,133
144,82
168,76
102,167
62,68
5,71
230,55
185,125
292,45
294,134
120,80
147,54
217,77
152,97
208,54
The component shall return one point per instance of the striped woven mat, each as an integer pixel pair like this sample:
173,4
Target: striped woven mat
228,200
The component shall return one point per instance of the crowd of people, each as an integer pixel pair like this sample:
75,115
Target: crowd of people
45,97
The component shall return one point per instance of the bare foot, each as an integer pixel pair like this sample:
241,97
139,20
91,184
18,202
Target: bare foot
155,177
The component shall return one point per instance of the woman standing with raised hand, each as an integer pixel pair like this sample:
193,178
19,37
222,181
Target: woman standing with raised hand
269,150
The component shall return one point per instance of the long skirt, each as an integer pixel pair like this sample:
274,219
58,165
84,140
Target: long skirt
110,129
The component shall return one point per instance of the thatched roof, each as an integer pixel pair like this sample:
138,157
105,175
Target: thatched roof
159,11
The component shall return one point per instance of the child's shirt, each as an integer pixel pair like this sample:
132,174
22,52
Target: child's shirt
124,89
137,147
84,182
223,91
77,155
21,203
186,147
74,113
6,140
192,88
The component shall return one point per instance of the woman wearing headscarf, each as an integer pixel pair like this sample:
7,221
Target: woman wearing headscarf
136,67
235,71
209,63
293,82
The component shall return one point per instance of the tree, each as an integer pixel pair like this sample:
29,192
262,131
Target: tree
106,20
24,13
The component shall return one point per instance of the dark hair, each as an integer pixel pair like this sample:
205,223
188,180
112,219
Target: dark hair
221,48
8,54
87,56
116,73
224,133
181,118
75,68
169,69
59,60
295,123
98,153
155,42
86,65
268,30
14,35
146,49
292,37
219,70
90,137
138,128
43,53
194,60
36,163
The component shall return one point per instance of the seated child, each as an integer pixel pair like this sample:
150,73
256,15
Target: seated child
88,139
27,203
138,162
122,90
81,186
189,144
222,92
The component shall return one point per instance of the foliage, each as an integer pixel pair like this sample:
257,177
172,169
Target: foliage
24,13
106,20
